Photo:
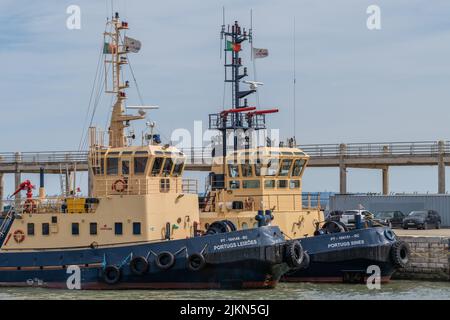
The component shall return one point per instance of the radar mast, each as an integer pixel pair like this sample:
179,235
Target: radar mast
115,55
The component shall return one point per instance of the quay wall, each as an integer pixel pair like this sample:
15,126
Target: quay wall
429,260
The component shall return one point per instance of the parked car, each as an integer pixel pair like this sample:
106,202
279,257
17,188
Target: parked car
348,217
391,219
423,219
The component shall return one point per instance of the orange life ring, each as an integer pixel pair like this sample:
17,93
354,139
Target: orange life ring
120,185
29,206
19,236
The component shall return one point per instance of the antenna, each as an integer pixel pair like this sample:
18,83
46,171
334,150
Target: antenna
250,34
295,80
222,31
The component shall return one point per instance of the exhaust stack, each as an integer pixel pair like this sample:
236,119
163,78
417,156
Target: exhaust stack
41,184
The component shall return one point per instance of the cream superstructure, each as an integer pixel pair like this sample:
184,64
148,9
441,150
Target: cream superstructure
138,194
265,178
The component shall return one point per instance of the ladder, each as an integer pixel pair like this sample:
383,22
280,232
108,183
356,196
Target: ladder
63,180
6,224
209,200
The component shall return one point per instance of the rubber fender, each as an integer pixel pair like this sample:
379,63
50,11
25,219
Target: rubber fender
400,253
111,274
139,265
165,260
294,254
196,262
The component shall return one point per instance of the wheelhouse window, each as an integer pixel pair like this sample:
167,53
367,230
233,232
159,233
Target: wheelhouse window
112,165
30,229
285,167
271,168
235,184
140,163
258,167
126,167
251,184
269,184
246,169
75,229
294,184
157,165
178,168
93,228
233,170
164,185
118,228
297,168
136,228
282,184
45,229
167,169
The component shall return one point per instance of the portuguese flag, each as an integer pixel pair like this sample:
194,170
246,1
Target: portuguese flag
233,46
109,48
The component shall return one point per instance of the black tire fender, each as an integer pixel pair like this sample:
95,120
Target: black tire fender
111,274
165,260
306,261
294,254
196,262
400,253
139,265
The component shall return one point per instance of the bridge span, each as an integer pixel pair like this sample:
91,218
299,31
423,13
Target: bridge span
379,156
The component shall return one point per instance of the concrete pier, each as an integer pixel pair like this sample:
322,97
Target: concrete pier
17,175
342,170
385,173
441,167
429,258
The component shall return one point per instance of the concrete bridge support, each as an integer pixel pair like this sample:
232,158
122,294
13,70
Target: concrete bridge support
441,167
342,169
385,180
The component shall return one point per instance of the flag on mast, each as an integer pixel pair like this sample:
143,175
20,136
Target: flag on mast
231,46
109,48
132,45
260,53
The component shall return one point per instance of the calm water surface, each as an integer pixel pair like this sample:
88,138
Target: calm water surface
395,290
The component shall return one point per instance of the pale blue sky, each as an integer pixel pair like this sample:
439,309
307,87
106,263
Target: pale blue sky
353,85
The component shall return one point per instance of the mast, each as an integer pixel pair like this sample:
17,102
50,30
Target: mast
233,40
115,56
240,116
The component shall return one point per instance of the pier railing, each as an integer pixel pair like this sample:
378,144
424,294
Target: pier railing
420,148
43,157
203,156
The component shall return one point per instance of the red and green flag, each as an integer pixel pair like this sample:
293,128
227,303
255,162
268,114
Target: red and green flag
231,46
109,48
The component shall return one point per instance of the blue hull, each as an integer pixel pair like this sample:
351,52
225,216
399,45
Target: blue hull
345,257
242,259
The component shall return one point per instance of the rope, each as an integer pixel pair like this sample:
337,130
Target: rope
90,99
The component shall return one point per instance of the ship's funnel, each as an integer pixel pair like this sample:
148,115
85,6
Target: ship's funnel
41,184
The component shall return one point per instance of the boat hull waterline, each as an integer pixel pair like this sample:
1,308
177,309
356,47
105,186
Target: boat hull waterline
346,257
235,260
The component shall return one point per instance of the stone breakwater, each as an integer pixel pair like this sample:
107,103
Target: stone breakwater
430,258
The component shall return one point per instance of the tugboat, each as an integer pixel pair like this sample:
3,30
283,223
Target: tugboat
138,227
254,185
